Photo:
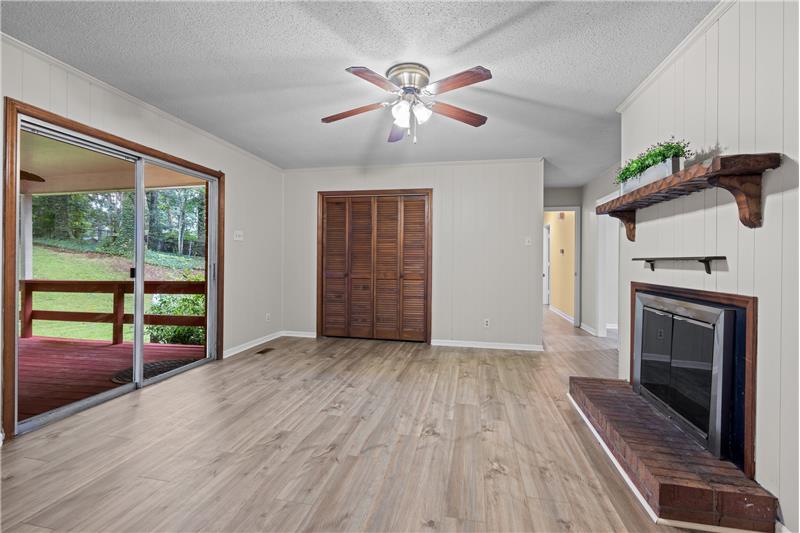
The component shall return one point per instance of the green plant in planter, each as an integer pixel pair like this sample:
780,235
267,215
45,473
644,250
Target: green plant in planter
656,154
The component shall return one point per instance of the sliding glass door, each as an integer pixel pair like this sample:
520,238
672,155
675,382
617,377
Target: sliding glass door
176,271
77,230
116,270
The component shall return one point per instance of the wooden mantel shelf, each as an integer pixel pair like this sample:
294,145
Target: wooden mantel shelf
740,174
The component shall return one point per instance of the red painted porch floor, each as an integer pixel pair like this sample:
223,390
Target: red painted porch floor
55,372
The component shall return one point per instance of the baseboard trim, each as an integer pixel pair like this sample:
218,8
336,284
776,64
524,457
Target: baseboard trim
642,501
305,334
561,313
611,326
488,345
589,329
236,350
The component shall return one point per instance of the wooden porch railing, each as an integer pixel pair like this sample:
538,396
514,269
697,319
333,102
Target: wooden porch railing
117,317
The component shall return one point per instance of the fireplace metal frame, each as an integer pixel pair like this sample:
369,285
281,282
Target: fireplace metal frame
721,318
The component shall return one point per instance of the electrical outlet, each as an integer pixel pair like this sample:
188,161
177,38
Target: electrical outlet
238,235
486,322
268,317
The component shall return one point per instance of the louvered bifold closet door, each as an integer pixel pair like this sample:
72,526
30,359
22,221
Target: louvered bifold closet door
387,267
361,260
335,268
413,272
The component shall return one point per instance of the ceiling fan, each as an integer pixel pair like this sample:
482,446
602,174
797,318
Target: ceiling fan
30,176
413,103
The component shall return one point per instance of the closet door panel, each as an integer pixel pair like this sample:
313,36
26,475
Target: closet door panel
414,268
335,268
361,266
387,267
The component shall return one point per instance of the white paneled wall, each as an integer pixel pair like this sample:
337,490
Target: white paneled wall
482,214
732,86
253,187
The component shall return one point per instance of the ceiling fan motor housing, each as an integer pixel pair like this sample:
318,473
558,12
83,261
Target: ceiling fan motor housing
411,77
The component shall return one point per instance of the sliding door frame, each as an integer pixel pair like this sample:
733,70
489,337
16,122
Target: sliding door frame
428,194
15,113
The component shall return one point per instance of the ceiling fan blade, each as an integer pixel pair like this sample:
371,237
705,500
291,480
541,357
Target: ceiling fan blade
396,134
30,176
456,81
353,112
373,77
462,115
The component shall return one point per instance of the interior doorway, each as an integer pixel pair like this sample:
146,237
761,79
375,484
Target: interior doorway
562,269
111,260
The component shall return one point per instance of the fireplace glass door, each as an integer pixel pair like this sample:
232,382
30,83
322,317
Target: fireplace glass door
690,370
676,364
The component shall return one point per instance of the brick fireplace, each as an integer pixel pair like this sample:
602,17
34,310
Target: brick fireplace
681,430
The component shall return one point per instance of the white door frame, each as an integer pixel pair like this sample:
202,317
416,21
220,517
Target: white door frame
603,246
546,264
576,305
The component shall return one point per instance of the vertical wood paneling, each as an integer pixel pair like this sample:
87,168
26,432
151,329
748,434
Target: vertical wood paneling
79,98
711,143
769,241
58,90
12,71
788,460
35,81
747,76
727,241
738,90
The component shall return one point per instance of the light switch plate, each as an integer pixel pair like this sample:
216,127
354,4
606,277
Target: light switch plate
238,235
528,241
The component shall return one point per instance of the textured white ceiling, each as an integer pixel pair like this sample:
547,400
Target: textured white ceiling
261,75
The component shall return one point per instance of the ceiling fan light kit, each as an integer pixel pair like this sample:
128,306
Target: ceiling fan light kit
413,102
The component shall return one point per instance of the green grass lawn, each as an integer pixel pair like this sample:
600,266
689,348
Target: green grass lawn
55,263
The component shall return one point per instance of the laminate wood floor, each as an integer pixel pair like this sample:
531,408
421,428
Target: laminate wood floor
334,435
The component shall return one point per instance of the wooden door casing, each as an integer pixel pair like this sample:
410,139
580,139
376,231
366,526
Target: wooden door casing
382,288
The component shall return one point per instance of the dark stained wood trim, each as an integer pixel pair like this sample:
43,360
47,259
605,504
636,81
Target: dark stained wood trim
377,192
428,194
10,173
429,266
740,175
750,305
13,109
220,263
320,248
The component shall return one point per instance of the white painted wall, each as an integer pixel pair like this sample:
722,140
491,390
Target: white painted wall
482,214
562,196
599,264
253,187
733,83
